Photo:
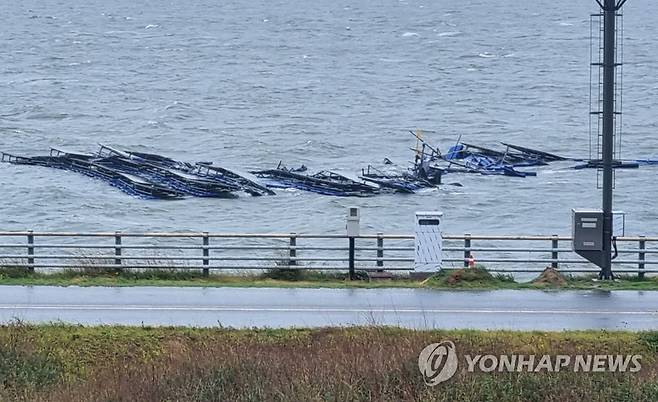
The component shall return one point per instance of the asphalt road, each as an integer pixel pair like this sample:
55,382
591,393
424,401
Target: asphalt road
275,308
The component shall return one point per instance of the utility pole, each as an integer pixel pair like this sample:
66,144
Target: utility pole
610,8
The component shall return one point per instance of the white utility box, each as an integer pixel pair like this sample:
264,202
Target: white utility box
353,221
429,254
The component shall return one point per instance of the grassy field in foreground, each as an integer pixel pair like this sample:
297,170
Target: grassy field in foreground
70,363
471,278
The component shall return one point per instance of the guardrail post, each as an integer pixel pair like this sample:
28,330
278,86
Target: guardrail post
554,252
351,258
380,251
292,250
641,256
117,248
467,249
30,251
206,253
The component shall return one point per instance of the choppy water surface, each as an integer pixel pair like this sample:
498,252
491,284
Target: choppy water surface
330,84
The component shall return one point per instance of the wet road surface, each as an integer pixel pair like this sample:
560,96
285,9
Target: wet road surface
278,308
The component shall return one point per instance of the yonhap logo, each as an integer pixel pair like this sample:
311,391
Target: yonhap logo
438,362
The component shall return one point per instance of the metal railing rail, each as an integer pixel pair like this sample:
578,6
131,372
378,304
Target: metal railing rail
242,251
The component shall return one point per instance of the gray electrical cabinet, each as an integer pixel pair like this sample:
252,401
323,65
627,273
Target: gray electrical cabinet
588,234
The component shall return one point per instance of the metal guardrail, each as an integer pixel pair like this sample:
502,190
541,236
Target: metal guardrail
376,252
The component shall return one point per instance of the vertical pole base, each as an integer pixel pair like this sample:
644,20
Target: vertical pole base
351,259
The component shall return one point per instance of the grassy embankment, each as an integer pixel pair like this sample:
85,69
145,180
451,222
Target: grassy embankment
70,363
471,278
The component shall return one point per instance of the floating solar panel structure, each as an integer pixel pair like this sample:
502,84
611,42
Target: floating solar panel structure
393,182
171,177
207,170
147,175
153,176
85,164
324,182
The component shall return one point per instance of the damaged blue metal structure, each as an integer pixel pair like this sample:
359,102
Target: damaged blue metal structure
148,176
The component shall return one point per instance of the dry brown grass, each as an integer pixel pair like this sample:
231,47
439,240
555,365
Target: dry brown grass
362,364
550,277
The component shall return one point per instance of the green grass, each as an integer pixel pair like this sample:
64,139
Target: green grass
75,363
472,278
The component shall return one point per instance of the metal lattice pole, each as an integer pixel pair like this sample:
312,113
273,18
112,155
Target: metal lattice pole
610,8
